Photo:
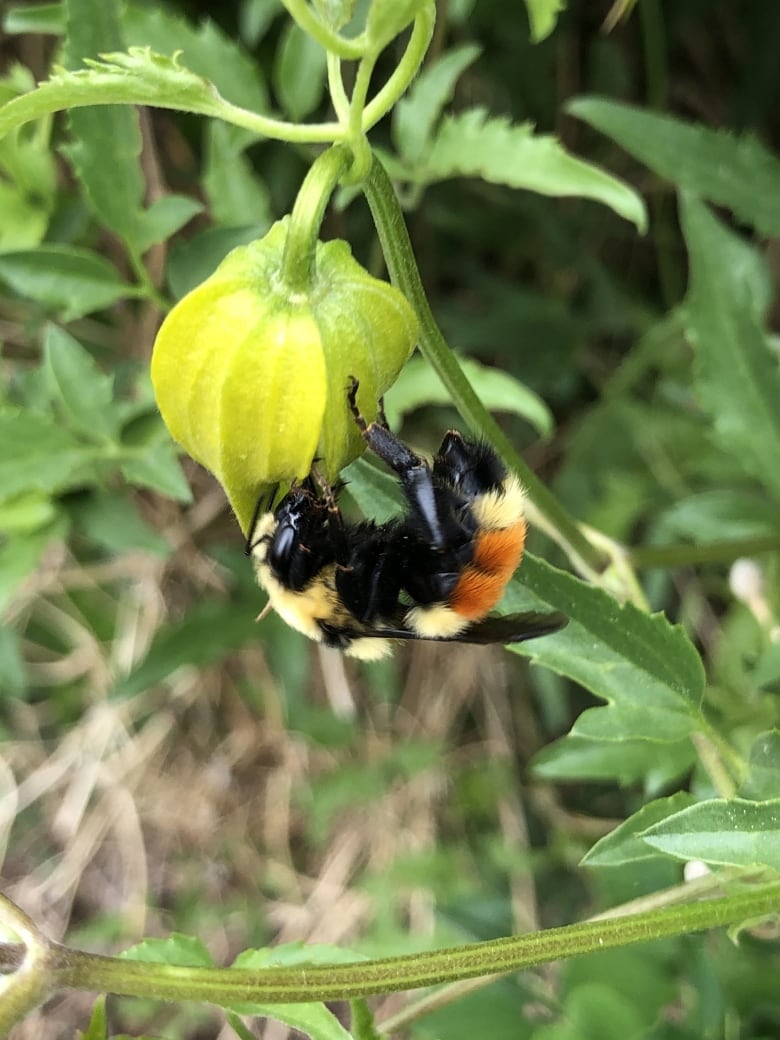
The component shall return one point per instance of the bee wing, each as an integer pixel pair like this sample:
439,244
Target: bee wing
512,628
496,628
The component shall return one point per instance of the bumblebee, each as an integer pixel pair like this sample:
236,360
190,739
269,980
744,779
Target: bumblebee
433,573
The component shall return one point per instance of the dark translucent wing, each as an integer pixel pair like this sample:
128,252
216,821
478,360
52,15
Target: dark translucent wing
507,628
512,628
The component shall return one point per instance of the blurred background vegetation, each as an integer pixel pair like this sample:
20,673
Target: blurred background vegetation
169,765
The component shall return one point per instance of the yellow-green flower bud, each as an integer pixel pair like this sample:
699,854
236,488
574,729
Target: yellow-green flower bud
251,377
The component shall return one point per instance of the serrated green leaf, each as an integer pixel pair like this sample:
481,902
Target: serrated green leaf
763,778
418,385
83,393
644,667
66,279
728,833
416,113
737,379
624,844
543,16
139,77
737,172
184,950
474,144
205,49
299,73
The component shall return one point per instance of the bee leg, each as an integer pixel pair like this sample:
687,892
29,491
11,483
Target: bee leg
413,471
337,534
263,505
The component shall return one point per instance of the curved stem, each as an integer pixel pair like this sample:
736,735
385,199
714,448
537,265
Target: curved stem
306,218
406,69
75,969
711,759
356,138
359,93
685,892
404,272
28,976
75,90
338,95
328,39
688,554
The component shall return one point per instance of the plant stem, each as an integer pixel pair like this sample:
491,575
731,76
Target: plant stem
406,69
688,554
338,96
404,272
306,218
681,893
74,969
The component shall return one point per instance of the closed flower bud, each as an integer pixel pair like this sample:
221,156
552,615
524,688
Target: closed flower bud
251,378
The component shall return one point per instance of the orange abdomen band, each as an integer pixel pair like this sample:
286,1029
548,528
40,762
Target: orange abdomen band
496,558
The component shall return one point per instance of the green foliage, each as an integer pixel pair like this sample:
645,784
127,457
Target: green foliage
727,833
419,385
67,280
163,750
737,379
543,14
646,669
736,172
473,144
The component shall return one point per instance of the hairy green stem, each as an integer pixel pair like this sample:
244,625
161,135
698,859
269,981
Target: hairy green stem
683,893
338,95
307,215
406,69
75,969
404,272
